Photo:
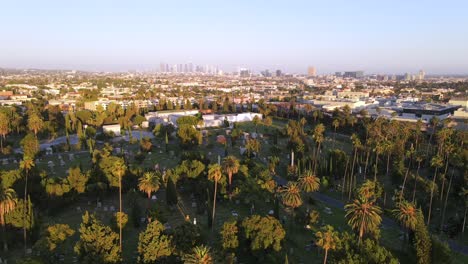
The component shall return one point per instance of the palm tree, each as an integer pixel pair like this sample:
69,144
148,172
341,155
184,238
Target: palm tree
363,216
436,162
318,137
335,124
419,159
291,195
35,123
199,255
327,239
308,182
149,183
406,213
379,149
409,154
4,128
26,165
230,166
7,204
214,174
119,169
356,144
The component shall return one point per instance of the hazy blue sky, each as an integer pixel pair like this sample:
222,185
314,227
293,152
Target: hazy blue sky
375,36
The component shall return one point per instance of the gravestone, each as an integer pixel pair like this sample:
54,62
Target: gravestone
105,209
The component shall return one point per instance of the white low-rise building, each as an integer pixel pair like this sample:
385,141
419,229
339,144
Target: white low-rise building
113,129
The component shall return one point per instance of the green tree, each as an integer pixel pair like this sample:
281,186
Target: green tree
327,239
252,146
171,192
153,244
422,241
229,237
186,236
263,232
98,243
77,180
53,237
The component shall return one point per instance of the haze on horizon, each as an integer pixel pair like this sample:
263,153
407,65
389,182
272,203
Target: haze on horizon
374,36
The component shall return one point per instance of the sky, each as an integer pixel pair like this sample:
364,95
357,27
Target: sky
112,35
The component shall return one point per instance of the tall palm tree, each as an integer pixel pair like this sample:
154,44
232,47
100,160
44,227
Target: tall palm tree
356,145
308,182
406,213
214,174
35,123
199,255
26,165
230,166
119,169
363,216
335,124
436,162
327,239
419,159
409,154
4,128
7,204
149,183
318,137
291,195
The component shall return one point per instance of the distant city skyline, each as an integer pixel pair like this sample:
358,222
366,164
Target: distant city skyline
387,37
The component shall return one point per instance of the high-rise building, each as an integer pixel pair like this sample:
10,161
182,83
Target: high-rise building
407,77
354,74
278,73
338,74
421,75
162,67
243,72
311,71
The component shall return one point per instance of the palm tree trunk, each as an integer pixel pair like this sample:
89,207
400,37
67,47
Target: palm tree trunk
432,196
445,203
214,205
352,173
464,220
388,163
443,179
326,255
5,245
344,179
404,180
120,215
376,166
25,209
416,181
334,138
367,162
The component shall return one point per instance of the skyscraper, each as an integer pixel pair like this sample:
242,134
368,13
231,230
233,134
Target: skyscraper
421,75
311,71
